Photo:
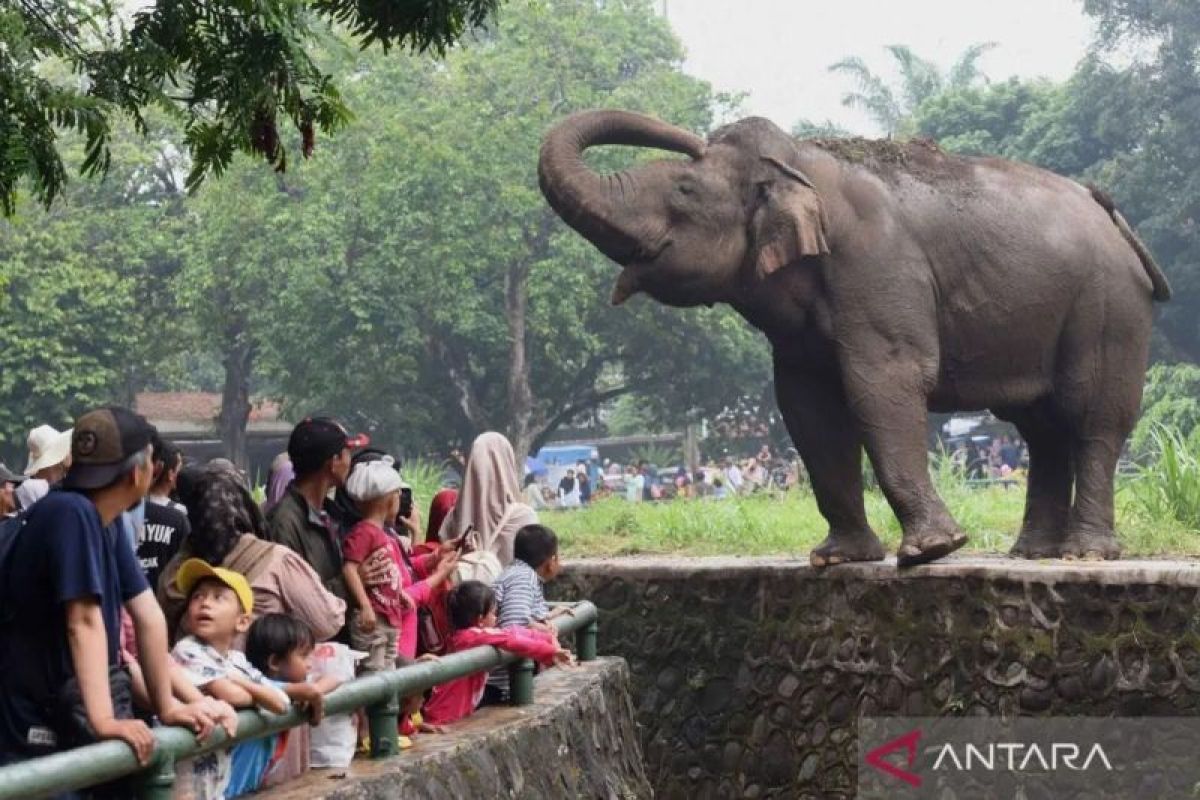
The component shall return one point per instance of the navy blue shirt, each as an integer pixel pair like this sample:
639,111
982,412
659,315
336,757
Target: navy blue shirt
62,554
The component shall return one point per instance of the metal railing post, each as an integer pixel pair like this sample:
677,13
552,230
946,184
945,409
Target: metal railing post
520,682
158,781
585,641
382,721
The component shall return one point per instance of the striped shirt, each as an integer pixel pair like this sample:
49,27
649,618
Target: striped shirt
519,601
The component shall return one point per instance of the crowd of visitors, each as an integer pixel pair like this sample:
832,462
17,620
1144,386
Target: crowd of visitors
157,592
642,481
1000,459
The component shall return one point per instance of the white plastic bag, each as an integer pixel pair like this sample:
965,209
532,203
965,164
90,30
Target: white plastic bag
334,739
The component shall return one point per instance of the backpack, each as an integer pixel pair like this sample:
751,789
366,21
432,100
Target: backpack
475,564
10,529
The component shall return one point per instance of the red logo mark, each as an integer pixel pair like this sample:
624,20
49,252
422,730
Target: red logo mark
908,743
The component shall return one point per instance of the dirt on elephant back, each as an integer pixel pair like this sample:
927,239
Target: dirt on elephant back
921,158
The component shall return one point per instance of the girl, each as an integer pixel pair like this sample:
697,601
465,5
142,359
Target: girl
473,613
279,646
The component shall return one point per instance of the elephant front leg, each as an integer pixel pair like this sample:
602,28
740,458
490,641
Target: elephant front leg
891,411
814,410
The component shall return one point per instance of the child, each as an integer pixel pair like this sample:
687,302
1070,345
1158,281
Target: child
279,646
385,624
519,594
473,614
218,611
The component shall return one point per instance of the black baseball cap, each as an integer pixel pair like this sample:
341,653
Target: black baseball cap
315,440
103,446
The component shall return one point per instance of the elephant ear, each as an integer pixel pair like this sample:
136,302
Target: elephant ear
789,223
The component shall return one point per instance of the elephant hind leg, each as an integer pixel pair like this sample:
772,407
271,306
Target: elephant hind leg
1048,493
1100,398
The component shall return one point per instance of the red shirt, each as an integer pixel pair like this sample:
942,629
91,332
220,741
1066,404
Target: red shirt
365,538
458,698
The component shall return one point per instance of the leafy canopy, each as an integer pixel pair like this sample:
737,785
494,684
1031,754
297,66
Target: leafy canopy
237,73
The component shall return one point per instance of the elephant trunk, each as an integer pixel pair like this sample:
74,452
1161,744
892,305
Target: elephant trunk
600,207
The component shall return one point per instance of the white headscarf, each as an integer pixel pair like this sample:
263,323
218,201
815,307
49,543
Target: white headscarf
491,492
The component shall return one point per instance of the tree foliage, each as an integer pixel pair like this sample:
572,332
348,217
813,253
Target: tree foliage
238,74
890,106
489,313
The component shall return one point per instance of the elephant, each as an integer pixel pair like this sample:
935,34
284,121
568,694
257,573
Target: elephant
891,279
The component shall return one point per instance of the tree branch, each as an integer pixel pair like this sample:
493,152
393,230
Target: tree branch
591,400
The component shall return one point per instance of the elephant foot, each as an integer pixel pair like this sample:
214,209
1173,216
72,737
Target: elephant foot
844,548
1091,546
928,545
1038,544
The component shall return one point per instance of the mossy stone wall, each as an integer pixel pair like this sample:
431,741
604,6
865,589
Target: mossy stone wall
749,674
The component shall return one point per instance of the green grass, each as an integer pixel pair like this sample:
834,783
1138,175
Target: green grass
791,525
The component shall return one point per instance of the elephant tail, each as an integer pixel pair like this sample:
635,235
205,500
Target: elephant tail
1162,289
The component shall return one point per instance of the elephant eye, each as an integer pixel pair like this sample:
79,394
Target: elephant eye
687,189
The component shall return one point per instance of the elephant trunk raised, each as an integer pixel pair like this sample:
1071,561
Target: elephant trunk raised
600,207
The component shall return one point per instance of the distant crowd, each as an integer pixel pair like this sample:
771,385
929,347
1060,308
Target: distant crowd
642,481
138,591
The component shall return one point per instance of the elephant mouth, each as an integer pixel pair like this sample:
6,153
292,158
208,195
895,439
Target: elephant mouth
632,276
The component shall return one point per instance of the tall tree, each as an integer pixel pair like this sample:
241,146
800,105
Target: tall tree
497,312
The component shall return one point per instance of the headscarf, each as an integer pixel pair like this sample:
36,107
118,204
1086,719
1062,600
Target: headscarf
441,505
221,512
282,474
491,483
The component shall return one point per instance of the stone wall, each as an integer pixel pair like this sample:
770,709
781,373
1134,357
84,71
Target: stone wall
577,740
749,674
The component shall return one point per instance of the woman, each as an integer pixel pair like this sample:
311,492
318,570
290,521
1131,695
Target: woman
282,474
227,531
532,492
490,502
439,508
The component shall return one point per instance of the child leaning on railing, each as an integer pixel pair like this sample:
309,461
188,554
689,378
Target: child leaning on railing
279,646
218,611
472,607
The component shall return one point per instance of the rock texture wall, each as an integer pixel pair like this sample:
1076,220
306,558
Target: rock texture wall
577,740
749,674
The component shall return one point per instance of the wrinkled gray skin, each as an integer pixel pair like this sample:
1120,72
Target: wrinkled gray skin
891,280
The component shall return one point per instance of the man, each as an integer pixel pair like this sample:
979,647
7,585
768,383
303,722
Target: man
166,523
320,451
77,570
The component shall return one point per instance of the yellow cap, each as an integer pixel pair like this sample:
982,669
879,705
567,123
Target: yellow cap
195,570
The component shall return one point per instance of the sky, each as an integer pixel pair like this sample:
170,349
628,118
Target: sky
780,50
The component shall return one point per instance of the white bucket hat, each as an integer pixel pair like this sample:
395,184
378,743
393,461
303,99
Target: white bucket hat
47,447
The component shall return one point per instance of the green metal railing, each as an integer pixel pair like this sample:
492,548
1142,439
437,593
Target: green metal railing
379,693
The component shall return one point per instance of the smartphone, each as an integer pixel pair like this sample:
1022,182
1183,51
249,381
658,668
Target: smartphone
406,502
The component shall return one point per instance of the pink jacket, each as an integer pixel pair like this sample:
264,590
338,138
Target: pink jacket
458,698
421,593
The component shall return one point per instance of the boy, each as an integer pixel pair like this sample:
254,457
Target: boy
220,602
72,571
520,596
